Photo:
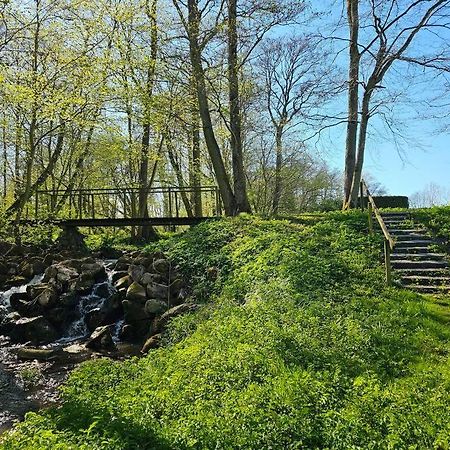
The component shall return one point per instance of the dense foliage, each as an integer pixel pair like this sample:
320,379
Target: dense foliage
436,219
299,345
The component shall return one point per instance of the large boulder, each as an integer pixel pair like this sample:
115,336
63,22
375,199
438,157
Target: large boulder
123,282
157,290
37,330
66,274
136,292
94,270
155,307
101,340
162,266
152,342
136,272
134,312
47,298
160,323
84,283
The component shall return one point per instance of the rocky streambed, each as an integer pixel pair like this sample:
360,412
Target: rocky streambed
58,309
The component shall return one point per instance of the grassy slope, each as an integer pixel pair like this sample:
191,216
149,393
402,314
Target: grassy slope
299,346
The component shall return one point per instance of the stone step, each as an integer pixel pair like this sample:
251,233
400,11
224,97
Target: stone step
423,280
394,214
410,250
439,272
407,264
413,237
415,244
429,289
418,256
400,231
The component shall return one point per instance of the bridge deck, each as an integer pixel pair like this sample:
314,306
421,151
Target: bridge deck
119,222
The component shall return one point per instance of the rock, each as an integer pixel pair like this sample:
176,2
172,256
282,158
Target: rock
50,273
26,270
162,266
66,274
152,342
101,339
69,299
127,333
8,322
47,298
122,264
102,290
123,282
145,261
31,353
160,323
16,281
148,278
35,329
94,319
134,312
112,307
59,317
20,302
84,283
34,290
136,292
159,291
154,307
116,276
136,272
94,270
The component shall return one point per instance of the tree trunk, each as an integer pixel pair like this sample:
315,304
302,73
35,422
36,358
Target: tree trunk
5,163
147,232
223,181
357,174
278,166
195,161
240,187
31,188
353,87
178,173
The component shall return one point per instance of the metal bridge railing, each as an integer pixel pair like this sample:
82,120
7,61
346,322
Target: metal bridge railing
114,203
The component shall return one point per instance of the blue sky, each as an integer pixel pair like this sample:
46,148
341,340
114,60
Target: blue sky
425,154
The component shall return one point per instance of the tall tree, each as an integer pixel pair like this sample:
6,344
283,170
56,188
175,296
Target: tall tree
394,26
240,187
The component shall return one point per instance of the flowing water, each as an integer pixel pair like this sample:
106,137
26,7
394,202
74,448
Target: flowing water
30,385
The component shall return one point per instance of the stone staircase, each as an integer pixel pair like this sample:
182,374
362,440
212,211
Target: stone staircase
418,266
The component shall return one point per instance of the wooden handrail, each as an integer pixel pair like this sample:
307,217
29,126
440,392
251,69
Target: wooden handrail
389,241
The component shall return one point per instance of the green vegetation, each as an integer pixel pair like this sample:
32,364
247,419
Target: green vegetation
437,219
298,346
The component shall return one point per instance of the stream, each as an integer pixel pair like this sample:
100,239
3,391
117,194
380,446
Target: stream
29,385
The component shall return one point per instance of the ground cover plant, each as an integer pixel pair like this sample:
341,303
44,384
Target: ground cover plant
298,345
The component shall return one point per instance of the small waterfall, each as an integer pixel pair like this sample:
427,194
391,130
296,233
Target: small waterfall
78,329
6,295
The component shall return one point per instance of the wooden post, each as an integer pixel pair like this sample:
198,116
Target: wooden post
80,205
93,206
361,195
36,205
170,202
369,206
387,261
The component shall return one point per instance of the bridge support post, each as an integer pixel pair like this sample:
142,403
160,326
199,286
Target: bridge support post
71,238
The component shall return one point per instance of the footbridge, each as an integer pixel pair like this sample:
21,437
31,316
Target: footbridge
122,207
